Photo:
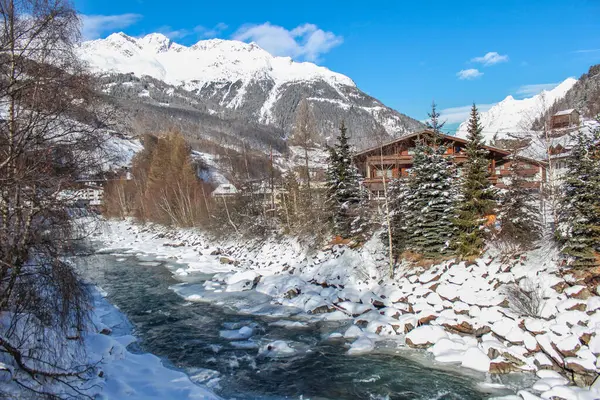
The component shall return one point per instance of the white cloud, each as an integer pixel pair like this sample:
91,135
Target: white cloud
587,51
94,26
305,41
468,74
532,90
210,32
174,34
201,32
454,115
490,58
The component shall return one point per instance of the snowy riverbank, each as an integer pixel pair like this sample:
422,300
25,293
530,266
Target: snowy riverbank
457,311
117,373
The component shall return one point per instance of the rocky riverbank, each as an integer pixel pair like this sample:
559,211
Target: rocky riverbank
495,315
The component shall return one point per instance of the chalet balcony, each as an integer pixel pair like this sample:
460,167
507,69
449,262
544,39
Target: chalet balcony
522,172
379,180
406,159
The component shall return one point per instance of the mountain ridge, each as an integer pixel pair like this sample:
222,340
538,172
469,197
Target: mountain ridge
234,79
511,115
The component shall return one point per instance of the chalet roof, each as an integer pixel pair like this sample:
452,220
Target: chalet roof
565,112
225,188
456,139
443,136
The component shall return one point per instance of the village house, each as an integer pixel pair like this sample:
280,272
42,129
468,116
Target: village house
224,190
564,119
395,158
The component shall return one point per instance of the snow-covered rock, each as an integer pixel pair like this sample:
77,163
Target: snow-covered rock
425,336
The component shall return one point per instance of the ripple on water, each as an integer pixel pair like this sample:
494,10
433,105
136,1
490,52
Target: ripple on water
187,334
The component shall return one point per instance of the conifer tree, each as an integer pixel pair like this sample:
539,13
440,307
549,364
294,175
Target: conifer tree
581,202
431,201
476,193
423,204
520,218
434,125
343,186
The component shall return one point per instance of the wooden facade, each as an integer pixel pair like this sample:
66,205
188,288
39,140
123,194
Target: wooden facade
564,119
394,159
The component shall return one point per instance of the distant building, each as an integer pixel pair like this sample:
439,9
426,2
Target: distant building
224,190
395,159
90,193
564,119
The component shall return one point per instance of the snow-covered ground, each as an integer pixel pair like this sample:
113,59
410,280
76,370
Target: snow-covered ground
118,373
457,311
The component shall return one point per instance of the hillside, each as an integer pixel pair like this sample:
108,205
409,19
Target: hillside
512,116
232,80
584,96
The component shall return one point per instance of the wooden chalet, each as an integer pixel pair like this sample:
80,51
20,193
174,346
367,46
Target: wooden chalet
564,119
395,158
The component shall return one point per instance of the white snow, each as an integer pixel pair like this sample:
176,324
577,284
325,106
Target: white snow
206,62
426,334
512,116
475,359
466,322
124,375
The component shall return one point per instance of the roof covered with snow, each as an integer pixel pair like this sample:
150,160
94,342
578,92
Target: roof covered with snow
565,112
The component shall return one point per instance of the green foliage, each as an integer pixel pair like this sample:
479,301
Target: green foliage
344,193
431,200
520,216
581,205
423,205
476,193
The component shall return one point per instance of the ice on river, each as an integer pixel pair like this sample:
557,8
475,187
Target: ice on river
243,333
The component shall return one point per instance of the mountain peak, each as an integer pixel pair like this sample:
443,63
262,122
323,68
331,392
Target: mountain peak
156,42
213,60
512,116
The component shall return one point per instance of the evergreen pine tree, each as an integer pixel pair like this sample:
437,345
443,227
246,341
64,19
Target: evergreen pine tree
431,202
343,186
434,125
581,202
519,216
476,192
423,204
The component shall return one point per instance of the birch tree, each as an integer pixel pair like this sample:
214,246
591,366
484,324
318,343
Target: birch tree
49,136
304,136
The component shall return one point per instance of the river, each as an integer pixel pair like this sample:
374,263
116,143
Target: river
188,336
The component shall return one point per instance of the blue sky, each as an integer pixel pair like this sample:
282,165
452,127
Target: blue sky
405,53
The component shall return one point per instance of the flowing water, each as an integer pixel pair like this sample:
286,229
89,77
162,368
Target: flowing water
187,336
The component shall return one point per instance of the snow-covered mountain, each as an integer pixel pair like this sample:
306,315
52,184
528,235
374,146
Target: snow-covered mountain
236,79
512,116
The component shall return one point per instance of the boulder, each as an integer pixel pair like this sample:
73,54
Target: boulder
502,367
425,336
476,359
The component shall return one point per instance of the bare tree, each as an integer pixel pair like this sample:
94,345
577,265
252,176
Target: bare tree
304,136
380,136
50,133
541,143
525,298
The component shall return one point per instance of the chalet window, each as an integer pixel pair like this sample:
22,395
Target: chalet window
379,173
411,152
498,171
